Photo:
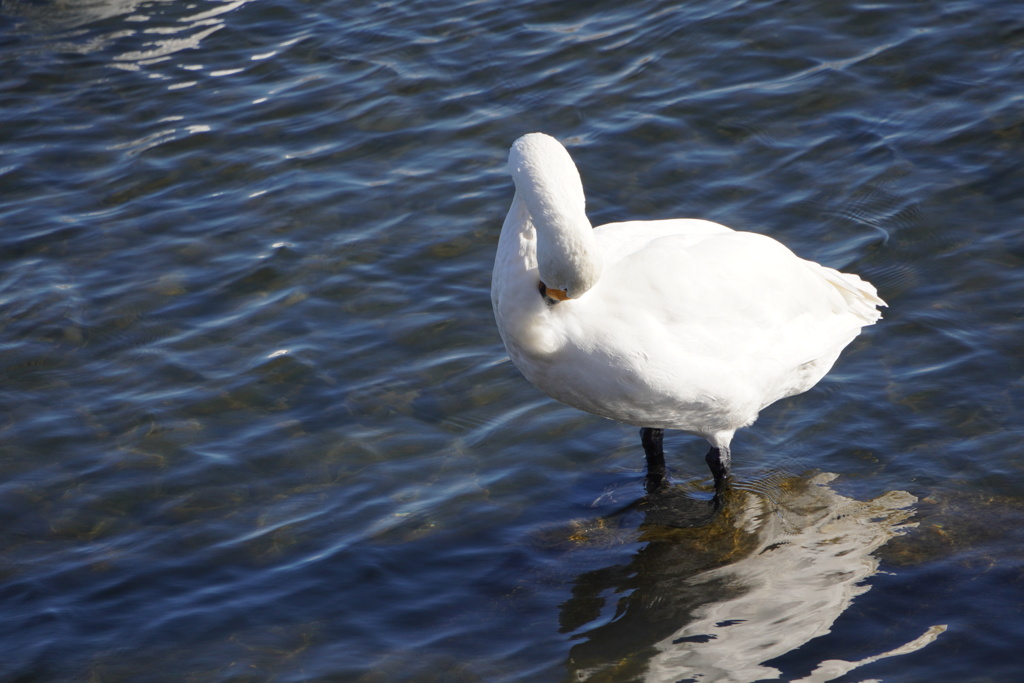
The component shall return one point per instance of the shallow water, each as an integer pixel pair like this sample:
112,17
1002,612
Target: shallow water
257,423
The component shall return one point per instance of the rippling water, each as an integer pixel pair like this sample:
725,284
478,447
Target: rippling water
257,423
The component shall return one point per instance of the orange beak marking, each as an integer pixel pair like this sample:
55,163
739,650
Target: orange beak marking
556,294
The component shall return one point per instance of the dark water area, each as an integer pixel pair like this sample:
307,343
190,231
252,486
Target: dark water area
257,424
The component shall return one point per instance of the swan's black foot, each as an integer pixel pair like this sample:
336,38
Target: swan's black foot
718,460
657,475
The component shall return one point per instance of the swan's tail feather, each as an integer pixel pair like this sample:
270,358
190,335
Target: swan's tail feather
860,296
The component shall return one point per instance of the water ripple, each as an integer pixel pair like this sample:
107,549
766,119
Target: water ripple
256,416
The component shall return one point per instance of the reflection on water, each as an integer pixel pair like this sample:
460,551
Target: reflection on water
716,603
69,15
154,38
834,668
256,421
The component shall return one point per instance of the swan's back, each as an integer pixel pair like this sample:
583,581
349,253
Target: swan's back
695,319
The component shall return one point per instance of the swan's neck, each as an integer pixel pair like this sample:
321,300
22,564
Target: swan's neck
549,186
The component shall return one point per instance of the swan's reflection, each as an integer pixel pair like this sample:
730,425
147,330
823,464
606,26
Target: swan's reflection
717,602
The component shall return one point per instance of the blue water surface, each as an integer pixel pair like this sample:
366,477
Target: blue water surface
257,424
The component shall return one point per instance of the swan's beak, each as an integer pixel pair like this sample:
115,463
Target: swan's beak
556,294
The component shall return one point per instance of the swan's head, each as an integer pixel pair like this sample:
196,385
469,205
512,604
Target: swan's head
548,182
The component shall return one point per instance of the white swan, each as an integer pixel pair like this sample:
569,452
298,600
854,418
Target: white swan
667,324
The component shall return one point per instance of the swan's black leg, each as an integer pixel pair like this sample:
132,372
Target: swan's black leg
652,439
718,460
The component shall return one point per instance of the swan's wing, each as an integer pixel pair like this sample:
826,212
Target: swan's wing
619,240
732,298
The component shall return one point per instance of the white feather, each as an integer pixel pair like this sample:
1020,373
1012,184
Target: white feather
679,324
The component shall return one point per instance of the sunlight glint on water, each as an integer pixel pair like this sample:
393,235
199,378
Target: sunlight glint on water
257,420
